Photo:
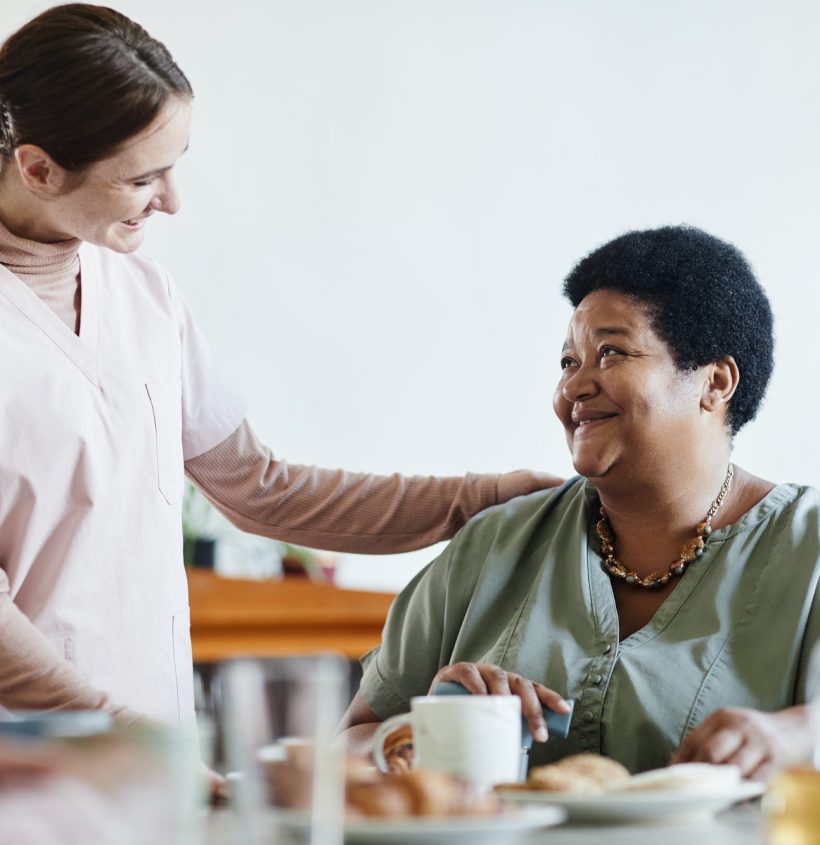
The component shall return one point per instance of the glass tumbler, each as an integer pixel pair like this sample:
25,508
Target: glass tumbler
280,717
793,799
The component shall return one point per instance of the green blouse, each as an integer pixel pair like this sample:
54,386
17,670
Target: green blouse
521,586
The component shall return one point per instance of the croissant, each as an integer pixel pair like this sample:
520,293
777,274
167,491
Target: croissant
398,749
417,793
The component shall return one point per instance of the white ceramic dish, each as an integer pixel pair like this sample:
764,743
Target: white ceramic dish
651,805
506,827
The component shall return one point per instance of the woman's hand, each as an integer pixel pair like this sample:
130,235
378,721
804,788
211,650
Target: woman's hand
759,743
523,481
216,786
487,679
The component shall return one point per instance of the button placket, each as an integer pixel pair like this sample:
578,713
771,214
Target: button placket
603,653
590,707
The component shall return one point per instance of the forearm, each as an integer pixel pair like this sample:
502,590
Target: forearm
334,509
35,677
357,741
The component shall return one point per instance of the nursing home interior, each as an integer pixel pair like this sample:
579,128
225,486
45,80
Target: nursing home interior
407,422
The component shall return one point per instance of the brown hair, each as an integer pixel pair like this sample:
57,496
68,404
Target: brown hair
79,80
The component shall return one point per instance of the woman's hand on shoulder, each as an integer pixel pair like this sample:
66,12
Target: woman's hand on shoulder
524,481
488,679
758,743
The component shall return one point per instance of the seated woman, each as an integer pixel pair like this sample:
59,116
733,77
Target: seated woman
667,357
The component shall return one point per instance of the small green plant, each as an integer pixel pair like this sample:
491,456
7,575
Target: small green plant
296,558
242,554
198,522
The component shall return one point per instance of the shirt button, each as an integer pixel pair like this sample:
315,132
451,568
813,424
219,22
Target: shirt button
607,648
596,679
588,716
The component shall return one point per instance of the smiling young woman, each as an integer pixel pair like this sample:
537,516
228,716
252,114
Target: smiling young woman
111,395
108,202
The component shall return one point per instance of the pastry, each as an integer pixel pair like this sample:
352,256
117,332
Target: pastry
589,774
419,793
683,777
398,749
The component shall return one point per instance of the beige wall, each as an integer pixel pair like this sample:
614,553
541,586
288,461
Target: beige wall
382,196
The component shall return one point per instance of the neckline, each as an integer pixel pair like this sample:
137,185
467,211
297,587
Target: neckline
605,610
80,349
779,495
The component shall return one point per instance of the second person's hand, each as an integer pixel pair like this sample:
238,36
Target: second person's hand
522,482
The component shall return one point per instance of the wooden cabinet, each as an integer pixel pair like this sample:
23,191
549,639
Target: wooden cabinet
232,617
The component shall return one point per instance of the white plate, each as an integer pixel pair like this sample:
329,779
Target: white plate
457,830
649,805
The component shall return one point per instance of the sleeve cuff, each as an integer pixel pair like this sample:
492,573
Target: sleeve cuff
378,694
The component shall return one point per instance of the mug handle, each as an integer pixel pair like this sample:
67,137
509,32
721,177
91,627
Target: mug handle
385,728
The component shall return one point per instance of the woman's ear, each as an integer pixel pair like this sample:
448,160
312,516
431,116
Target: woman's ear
720,384
39,172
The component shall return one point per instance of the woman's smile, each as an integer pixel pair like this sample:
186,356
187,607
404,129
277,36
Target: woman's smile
587,421
136,222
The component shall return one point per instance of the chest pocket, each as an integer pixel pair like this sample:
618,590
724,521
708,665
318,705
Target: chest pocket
165,402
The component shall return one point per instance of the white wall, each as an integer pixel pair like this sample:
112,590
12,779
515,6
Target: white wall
382,197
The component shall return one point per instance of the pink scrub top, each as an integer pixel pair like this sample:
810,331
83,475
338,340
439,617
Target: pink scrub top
94,430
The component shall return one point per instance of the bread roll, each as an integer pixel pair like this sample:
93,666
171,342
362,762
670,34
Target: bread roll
589,774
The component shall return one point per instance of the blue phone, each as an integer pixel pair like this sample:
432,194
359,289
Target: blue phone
557,723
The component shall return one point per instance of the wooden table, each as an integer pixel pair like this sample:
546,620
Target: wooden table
293,616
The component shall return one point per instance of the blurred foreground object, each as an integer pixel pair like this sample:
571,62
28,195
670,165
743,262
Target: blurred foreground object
421,793
793,808
280,720
69,778
793,801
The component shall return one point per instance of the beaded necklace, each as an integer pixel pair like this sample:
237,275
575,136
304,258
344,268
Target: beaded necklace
689,553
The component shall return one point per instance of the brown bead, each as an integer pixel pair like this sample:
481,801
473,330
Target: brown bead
690,549
604,530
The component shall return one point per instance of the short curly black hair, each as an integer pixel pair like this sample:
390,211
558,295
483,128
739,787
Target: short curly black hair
703,300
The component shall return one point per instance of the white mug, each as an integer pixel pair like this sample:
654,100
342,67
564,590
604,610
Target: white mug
475,737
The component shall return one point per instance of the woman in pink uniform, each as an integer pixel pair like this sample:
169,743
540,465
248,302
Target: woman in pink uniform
110,395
